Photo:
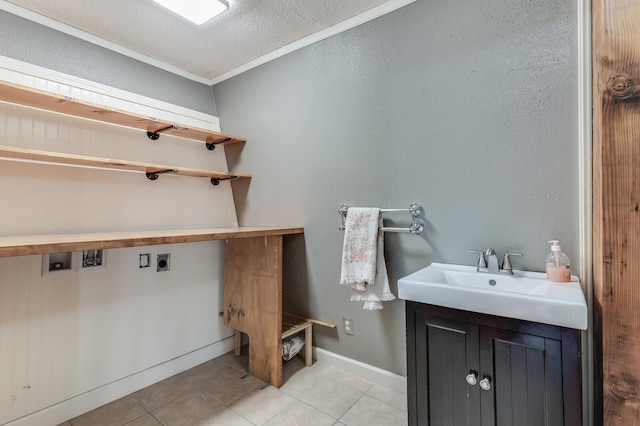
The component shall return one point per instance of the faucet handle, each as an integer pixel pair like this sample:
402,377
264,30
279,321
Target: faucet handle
506,263
482,261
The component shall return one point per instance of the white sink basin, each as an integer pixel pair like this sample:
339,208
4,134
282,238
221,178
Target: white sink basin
523,295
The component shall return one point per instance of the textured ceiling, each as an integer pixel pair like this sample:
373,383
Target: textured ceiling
249,30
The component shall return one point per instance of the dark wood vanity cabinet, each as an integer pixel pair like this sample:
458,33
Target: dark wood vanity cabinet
466,368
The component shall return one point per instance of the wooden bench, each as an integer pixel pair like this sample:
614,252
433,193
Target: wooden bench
292,325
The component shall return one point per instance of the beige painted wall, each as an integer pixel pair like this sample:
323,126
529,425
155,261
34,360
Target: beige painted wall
70,332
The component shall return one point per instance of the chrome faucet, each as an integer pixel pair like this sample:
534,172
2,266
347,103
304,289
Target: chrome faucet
488,262
492,261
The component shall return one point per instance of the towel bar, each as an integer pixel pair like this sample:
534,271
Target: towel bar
417,226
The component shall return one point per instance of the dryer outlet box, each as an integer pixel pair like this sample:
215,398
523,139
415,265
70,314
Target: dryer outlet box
164,262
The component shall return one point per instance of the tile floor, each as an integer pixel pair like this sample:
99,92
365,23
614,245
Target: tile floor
219,392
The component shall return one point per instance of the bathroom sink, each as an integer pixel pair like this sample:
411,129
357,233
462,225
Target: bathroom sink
523,295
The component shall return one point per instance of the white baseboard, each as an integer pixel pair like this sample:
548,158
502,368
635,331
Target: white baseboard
366,371
95,398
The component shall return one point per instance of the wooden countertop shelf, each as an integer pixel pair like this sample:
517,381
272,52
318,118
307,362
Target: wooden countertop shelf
41,244
23,95
152,170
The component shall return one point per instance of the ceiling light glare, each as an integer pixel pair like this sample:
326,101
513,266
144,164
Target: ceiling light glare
196,11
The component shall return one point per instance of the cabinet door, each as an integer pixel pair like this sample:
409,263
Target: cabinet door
524,375
446,352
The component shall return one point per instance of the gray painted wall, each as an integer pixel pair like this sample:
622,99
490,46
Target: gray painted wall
34,43
469,108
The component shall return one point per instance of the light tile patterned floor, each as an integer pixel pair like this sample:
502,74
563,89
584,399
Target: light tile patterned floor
219,392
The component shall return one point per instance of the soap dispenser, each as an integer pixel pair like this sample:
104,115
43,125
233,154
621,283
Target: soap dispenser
558,268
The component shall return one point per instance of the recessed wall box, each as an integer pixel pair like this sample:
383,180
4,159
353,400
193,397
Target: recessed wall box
93,258
164,262
89,260
54,262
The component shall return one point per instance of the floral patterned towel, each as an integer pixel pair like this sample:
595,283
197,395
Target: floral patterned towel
363,264
360,247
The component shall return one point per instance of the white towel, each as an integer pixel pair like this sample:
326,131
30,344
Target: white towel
363,265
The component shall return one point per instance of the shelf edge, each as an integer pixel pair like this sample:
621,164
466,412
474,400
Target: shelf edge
11,246
35,98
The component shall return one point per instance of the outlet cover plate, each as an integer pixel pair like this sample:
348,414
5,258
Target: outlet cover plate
145,260
348,326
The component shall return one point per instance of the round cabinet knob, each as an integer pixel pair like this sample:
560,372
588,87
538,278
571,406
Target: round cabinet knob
472,378
485,384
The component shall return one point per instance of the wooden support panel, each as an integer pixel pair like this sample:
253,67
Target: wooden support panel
253,301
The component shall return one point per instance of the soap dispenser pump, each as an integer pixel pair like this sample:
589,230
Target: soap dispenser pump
558,268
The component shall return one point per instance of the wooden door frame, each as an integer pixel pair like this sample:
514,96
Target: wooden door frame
616,215
585,170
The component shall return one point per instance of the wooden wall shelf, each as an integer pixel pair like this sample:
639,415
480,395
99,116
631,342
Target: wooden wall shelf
23,95
7,152
42,244
253,255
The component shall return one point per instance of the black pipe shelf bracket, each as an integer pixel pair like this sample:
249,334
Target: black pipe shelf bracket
155,175
156,134
212,145
216,181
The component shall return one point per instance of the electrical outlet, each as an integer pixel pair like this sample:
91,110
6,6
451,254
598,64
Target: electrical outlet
348,326
164,262
145,260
